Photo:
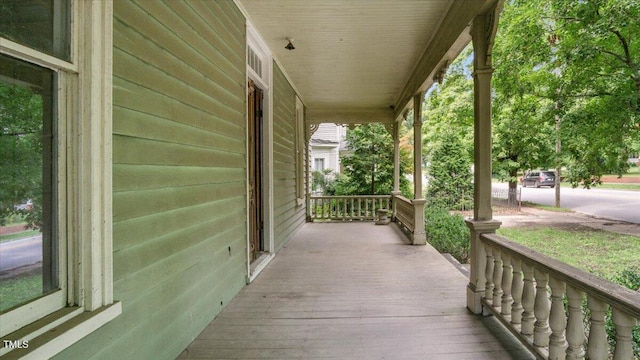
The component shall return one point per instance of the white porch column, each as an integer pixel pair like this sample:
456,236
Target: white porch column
483,32
396,157
419,237
417,145
396,167
310,129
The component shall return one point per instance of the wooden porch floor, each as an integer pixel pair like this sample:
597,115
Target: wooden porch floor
354,291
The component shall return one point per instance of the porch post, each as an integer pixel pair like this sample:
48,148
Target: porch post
419,237
396,168
396,157
417,145
310,129
482,33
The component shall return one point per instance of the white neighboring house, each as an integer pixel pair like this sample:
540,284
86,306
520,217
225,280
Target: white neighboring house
326,144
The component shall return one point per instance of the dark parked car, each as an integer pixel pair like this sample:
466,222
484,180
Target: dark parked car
540,178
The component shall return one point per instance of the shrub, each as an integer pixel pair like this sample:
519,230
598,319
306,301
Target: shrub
447,233
629,278
450,178
322,180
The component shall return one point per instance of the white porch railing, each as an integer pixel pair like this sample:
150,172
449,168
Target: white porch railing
409,214
527,290
404,212
347,208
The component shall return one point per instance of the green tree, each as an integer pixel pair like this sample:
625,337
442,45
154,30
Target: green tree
449,106
599,49
368,168
566,77
322,180
450,178
523,127
21,112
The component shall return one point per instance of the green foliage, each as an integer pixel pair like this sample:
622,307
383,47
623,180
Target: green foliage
368,169
523,119
341,185
447,233
629,278
21,152
321,180
449,106
573,64
450,178
599,45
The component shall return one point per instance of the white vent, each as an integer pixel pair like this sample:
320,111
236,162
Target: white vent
254,61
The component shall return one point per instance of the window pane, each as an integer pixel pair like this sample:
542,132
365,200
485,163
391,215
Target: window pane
39,24
28,261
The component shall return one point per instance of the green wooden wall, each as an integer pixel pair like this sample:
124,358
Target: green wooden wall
288,217
179,180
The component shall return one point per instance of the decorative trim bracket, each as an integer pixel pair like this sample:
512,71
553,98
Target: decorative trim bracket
391,129
483,32
439,75
311,129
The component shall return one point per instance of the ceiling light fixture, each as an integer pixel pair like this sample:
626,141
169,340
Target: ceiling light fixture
290,45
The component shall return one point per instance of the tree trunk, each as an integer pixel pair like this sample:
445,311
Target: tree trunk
558,154
373,170
512,198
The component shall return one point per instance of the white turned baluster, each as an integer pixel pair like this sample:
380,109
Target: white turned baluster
516,292
575,325
624,325
497,278
351,210
366,207
541,310
507,277
557,320
344,209
597,347
528,296
488,290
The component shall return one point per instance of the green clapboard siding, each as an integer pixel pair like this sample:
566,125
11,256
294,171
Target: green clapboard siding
288,217
179,177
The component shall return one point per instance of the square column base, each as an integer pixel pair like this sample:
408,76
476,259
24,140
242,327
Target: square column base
477,256
419,236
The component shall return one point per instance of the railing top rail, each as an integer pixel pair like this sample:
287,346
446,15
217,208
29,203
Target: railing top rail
402,198
350,196
613,294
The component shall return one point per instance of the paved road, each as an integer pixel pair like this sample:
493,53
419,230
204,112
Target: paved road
22,252
610,204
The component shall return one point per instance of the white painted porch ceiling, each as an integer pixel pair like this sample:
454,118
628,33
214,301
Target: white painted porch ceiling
349,55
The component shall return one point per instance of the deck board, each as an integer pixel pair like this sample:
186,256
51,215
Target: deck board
354,291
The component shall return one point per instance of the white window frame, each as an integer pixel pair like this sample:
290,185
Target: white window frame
84,201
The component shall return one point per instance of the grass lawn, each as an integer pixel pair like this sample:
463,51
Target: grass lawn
17,290
546,207
599,252
609,186
634,171
18,235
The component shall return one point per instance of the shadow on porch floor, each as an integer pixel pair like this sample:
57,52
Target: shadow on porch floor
354,291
